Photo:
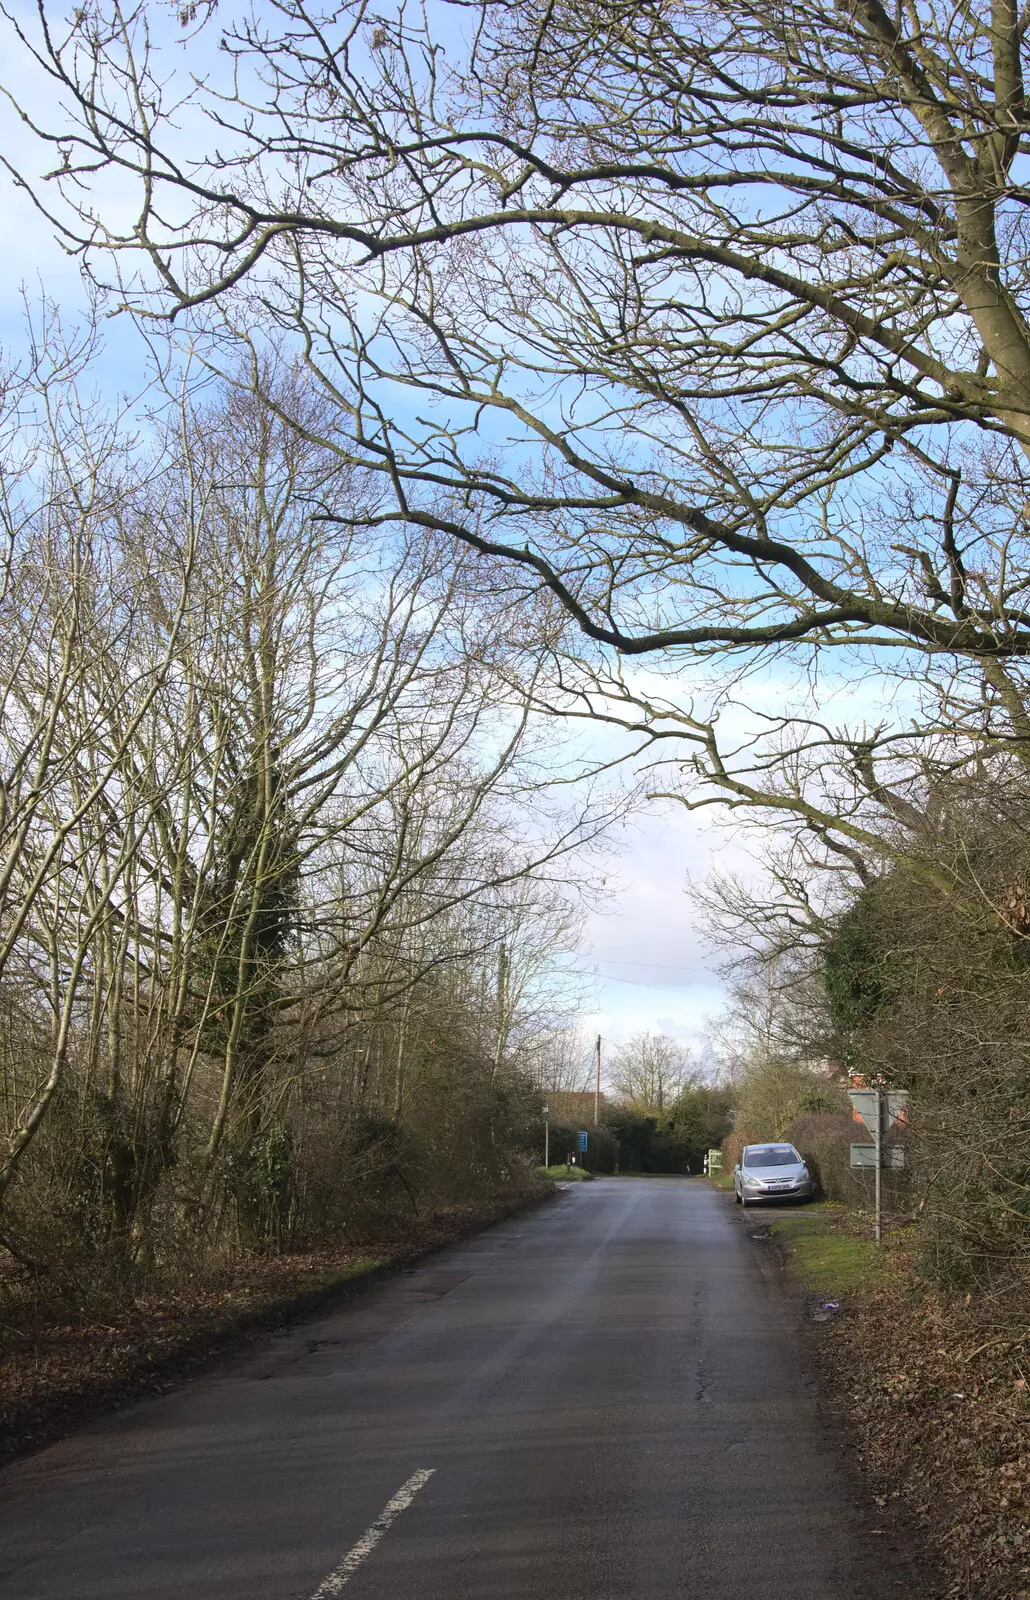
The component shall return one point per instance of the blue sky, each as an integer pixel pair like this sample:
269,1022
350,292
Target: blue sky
653,969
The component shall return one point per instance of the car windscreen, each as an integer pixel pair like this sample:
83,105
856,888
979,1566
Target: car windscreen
780,1155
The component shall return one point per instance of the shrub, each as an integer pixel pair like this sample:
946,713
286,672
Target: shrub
825,1142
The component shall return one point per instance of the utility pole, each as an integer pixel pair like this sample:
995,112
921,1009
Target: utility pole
597,1083
547,1137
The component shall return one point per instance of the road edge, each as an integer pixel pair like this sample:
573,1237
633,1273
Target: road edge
906,1545
69,1410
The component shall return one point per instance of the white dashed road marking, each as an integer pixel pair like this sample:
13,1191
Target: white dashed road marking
333,1584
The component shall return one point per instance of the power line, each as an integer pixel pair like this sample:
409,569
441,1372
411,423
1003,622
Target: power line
664,966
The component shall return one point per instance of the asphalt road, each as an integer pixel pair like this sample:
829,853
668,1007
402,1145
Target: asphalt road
603,1398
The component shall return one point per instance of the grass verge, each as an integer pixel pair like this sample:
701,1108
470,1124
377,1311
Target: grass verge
829,1254
564,1174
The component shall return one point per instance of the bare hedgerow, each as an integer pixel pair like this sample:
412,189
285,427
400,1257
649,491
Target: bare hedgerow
946,1018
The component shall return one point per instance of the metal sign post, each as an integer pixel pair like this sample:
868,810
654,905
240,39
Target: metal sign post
879,1164
864,1156
881,1112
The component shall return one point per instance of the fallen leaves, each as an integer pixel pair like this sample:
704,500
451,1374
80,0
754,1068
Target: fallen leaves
957,1458
56,1374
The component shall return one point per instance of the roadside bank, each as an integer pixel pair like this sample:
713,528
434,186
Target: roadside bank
57,1376
935,1398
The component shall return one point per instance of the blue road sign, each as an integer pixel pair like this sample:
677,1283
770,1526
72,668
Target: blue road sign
581,1141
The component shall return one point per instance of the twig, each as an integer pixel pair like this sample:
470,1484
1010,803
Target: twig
1010,1344
24,1260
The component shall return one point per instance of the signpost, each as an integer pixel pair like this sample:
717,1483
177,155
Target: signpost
864,1155
880,1110
894,1105
581,1142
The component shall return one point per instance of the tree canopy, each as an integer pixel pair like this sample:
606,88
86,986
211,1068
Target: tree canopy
710,320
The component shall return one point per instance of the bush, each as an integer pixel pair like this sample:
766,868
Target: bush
777,1096
825,1142
775,1092
732,1145
650,1143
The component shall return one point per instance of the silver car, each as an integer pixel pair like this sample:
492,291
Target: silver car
771,1172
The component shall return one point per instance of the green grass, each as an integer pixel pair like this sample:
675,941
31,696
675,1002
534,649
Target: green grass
564,1174
828,1255
723,1180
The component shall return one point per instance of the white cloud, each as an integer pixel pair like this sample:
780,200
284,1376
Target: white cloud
654,969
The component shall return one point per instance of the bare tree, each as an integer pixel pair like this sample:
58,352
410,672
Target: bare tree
711,323
76,622
346,747
560,1058
284,858
649,1073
